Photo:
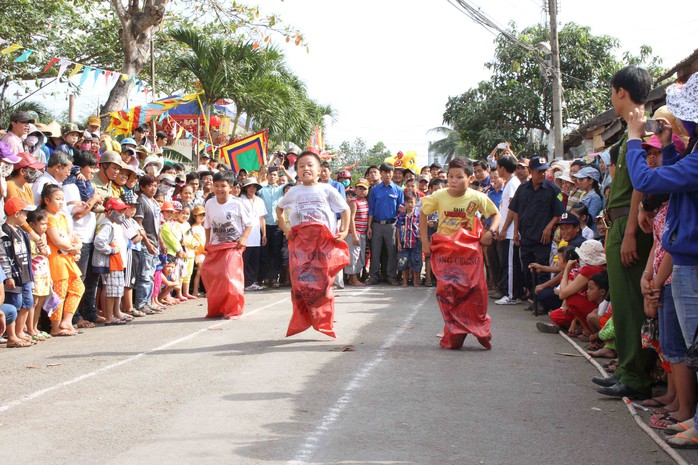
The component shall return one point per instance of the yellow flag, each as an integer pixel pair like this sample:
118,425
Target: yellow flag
10,49
75,70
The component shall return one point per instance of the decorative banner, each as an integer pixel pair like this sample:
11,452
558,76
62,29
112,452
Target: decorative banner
317,141
63,67
10,49
249,153
83,78
95,75
51,63
75,70
24,57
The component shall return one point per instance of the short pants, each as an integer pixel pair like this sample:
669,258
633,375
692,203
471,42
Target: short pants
20,300
114,283
410,259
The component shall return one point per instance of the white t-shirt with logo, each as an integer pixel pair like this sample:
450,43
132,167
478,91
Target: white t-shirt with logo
256,209
318,203
226,221
508,194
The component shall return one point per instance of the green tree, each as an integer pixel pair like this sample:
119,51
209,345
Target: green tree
515,104
216,63
450,146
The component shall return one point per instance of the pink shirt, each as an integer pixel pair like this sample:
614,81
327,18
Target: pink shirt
15,142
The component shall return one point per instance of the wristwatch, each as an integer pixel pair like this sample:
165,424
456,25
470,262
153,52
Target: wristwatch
494,233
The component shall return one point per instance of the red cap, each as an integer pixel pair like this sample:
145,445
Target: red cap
167,206
115,203
28,161
15,204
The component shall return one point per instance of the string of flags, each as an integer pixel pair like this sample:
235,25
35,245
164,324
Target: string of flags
63,65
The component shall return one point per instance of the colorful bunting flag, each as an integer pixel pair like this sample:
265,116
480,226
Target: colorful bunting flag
51,63
63,67
75,70
10,49
87,71
24,57
249,153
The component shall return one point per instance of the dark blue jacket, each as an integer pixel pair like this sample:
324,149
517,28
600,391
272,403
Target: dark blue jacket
677,176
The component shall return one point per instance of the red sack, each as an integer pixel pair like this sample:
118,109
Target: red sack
461,288
222,274
314,260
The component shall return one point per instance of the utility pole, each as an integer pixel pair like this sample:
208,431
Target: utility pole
557,81
152,80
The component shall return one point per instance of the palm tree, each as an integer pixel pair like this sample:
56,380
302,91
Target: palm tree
218,64
450,146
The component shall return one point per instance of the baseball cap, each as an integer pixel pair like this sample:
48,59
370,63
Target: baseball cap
128,141
15,204
569,218
93,121
28,161
167,207
167,177
538,163
588,172
523,162
70,128
129,198
362,182
198,210
422,178
115,203
23,117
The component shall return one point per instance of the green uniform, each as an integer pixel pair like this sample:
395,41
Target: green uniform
626,294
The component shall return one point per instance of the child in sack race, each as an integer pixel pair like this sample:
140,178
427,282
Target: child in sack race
456,254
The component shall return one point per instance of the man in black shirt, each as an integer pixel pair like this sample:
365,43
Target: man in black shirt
537,207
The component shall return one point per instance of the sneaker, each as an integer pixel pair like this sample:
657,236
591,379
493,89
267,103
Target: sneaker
507,301
495,294
254,287
547,328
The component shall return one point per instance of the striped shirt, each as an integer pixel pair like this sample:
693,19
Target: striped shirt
408,228
361,218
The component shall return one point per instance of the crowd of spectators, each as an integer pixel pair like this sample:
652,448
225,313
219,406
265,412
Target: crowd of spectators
98,231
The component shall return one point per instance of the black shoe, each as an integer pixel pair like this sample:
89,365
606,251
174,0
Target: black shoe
605,382
373,282
547,328
621,390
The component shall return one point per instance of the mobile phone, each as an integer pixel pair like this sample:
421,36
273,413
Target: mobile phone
653,126
502,145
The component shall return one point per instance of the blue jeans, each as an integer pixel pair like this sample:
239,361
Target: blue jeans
144,285
10,313
670,337
21,300
684,289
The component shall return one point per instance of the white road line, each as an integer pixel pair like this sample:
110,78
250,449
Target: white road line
42,392
305,452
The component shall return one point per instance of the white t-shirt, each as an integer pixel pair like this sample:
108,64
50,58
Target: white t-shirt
508,194
226,221
318,203
85,227
256,209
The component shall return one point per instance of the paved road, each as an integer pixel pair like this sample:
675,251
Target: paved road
173,389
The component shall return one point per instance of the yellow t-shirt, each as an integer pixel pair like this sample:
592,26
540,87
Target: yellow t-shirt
457,212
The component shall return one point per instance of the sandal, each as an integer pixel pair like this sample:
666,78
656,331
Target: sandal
19,344
663,422
85,324
64,333
117,322
652,403
681,441
679,427
38,337
137,313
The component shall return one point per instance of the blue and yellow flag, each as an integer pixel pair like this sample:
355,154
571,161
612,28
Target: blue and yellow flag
249,153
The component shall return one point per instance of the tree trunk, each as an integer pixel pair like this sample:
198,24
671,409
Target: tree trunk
138,25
